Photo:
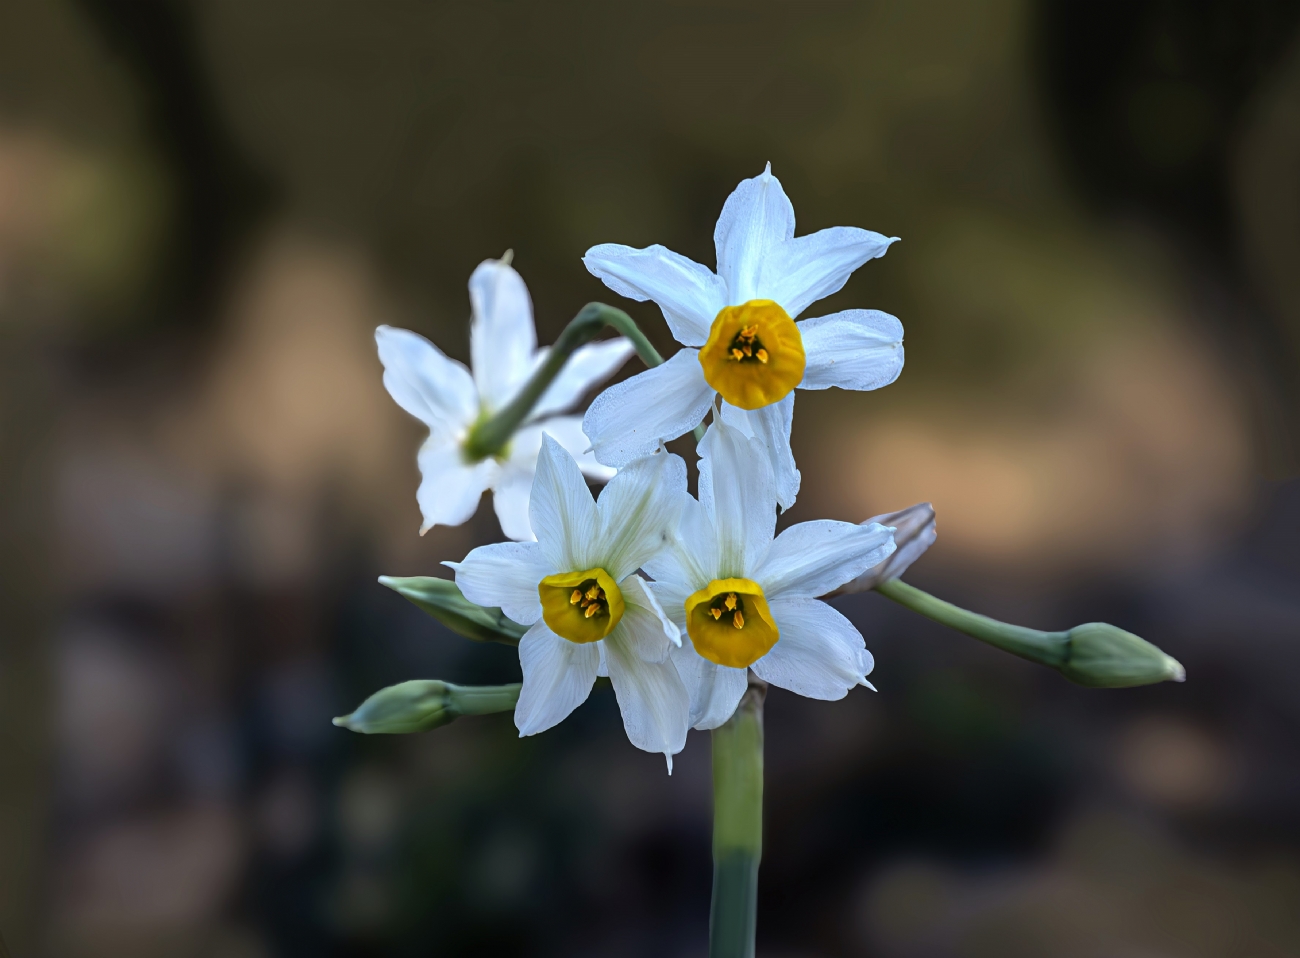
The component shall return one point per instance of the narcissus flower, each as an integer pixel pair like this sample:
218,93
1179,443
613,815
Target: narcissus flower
747,599
590,614
739,331
447,398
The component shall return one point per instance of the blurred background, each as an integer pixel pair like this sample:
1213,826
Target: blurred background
206,208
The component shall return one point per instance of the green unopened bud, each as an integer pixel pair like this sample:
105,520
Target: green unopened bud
424,704
1104,656
443,600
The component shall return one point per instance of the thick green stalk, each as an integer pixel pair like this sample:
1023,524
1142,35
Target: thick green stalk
737,827
1095,654
489,437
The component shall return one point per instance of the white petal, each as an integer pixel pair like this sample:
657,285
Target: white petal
510,495
505,575
558,676
819,654
434,389
690,560
914,532
449,488
629,419
715,690
652,632
590,365
772,425
502,337
512,490
650,695
672,597
804,270
562,512
689,294
603,670
857,349
638,511
737,493
813,558
756,219
567,431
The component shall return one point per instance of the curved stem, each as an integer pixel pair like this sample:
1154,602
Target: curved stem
1095,654
1046,648
737,826
625,325
491,436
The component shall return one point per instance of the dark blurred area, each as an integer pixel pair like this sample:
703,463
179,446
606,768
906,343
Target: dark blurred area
205,209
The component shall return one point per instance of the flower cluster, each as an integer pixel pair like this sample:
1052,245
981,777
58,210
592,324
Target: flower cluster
690,605
673,597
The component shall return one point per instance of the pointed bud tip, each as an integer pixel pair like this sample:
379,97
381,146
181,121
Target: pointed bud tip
1105,656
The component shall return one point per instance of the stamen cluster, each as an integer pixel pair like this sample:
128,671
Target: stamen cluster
747,347
729,604
591,598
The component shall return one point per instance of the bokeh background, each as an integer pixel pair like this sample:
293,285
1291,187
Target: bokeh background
205,208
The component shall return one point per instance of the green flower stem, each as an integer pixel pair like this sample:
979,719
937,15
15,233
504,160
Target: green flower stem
1095,654
737,827
492,435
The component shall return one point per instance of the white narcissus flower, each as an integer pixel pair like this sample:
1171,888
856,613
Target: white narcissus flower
747,599
590,613
739,331
447,398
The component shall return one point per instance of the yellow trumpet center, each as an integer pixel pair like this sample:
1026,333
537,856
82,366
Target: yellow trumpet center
754,355
730,624
581,606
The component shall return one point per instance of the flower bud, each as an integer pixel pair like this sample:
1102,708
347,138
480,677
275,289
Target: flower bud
441,599
424,704
914,532
1104,656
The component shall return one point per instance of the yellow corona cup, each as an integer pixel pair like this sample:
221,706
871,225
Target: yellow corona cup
754,355
581,606
730,624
